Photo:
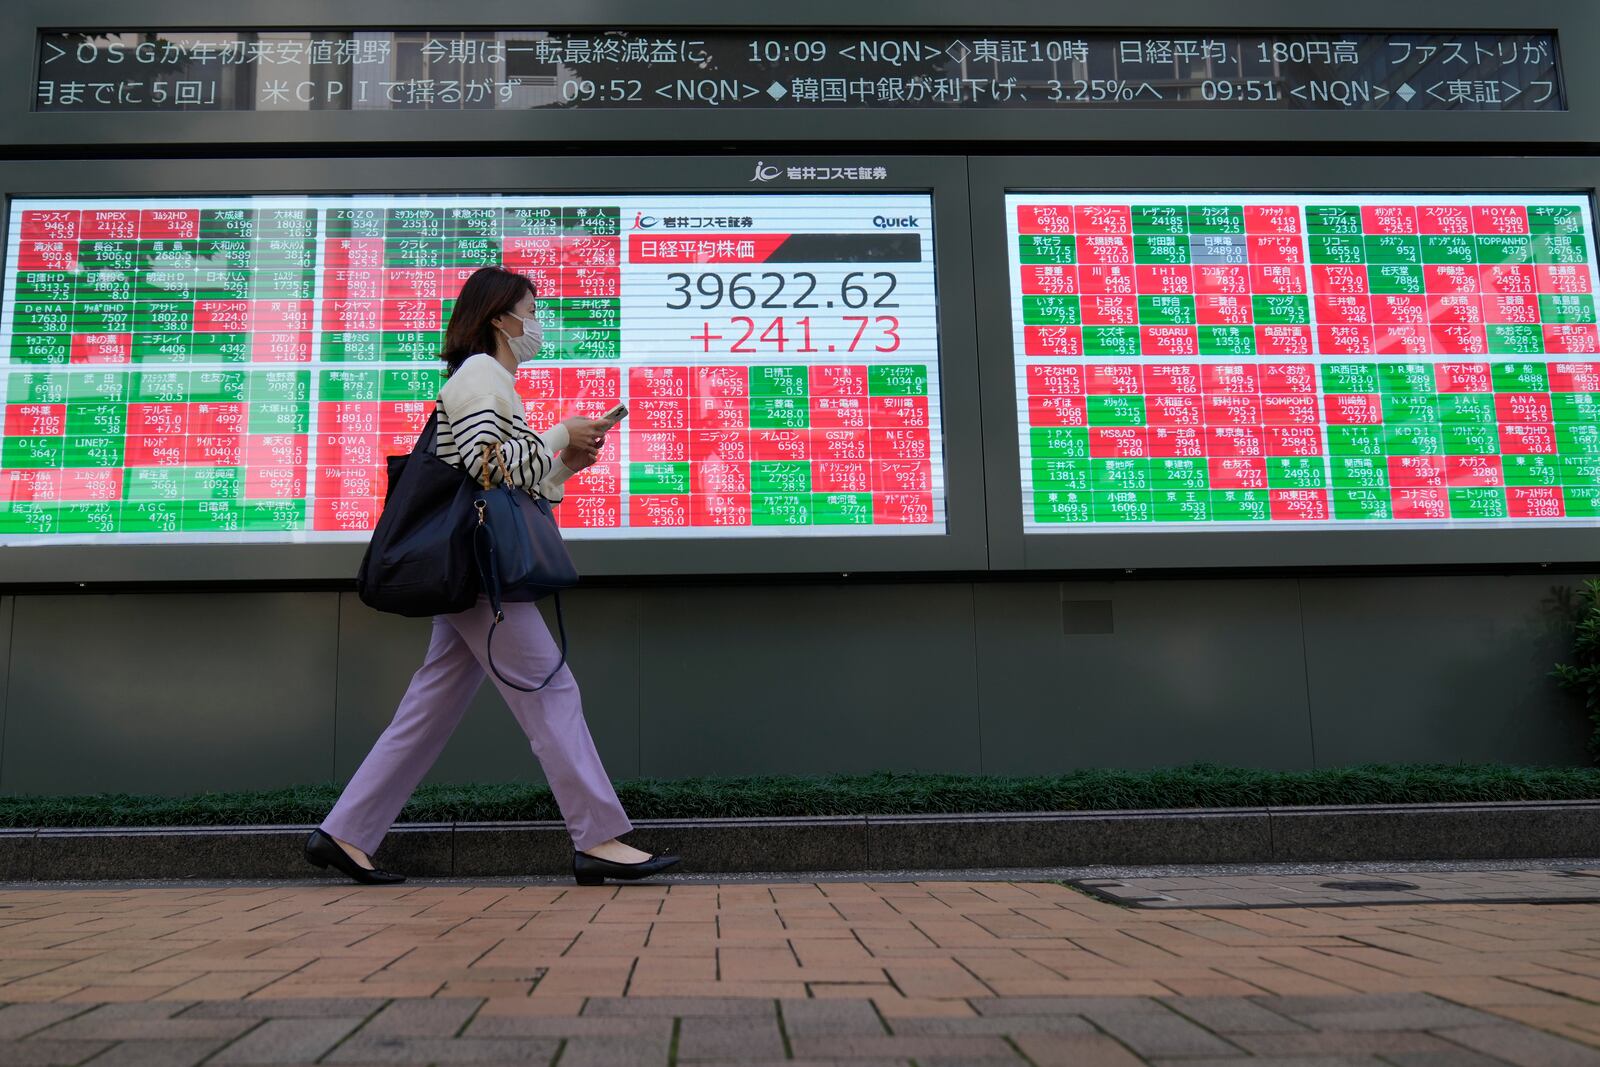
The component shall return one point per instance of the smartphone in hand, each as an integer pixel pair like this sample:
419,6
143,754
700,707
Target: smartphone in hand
614,416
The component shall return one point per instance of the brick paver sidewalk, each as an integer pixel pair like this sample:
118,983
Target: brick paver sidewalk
927,973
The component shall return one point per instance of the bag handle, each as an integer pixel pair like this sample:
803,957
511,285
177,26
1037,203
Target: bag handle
489,576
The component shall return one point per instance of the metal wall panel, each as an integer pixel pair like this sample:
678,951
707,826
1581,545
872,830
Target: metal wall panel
1195,670
1439,670
818,679
175,693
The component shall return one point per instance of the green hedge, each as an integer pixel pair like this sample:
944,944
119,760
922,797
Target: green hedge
885,792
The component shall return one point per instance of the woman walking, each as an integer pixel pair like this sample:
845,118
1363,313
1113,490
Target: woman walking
492,329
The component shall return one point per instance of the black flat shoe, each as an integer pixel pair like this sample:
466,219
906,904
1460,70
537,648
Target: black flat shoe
324,851
592,870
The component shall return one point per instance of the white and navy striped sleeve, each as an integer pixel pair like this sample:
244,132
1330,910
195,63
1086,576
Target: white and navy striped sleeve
482,408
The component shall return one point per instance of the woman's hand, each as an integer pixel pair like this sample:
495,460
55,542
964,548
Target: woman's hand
586,433
576,459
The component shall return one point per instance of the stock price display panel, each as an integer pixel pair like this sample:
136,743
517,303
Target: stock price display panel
238,369
1304,362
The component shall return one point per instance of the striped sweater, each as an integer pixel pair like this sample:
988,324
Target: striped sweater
478,405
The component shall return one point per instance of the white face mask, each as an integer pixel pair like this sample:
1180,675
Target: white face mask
526,345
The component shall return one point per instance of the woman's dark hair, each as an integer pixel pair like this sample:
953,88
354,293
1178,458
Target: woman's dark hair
488,294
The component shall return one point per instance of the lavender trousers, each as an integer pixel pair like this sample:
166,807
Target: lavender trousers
437,699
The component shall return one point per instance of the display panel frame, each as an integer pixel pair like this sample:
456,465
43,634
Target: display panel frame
1013,549
961,547
1576,25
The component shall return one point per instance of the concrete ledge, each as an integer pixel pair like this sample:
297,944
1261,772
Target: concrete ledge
1522,830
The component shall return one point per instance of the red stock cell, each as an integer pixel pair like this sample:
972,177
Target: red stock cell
1473,471
772,446
1402,340
223,316
1420,503
1459,278
1161,279
289,483
662,382
900,411
1103,218
1222,279
1104,249
275,449
718,413
403,416
36,420
1102,310
1288,409
47,253
1453,309
1217,309
411,284
658,511
902,509
1409,472
1460,340
279,346
1518,308
1340,279
1345,340
1298,505
109,224
1222,409
840,444
1279,250
1169,340
520,253
1563,278
650,414
1119,442
1444,219
1277,279
1574,377
898,444
1231,378
1353,409
1571,338
1527,439
213,450
1271,218
1044,218
719,381
1522,407
1055,379
50,225
165,223
26,486
91,483
1535,502
401,315
1510,279
1499,219
836,412
1288,378
538,383
731,445
1463,378
1052,340
1057,411
1294,440
1237,472
841,476
344,480
210,417
838,380
352,315
902,476
1172,379
591,513
1398,309
721,509
586,282
1173,410
153,450
1388,218
1108,281
1113,379
102,348
599,479
346,514
1283,340
354,253
349,449
158,419
1049,279
1176,442
1236,441
589,383
1343,310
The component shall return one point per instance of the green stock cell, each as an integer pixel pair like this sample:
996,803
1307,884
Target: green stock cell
1051,311
591,221
210,516
780,509
107,256
1555,218
1566,307
841,509
1468,440
1493,250
285,255
531,222
1349,377
46,286
1337,248
1580,470
780,477
412,346
1531,470
1560,248
1404,410
1416,440
100,450
592,344
219,386
1359,504
169,254
890,379
352,347
1333,218
44,317
1118,474
163,316
1216,218
1111,340
779,381
1406,378
286,222
287,284
1227,341
89,516
41,348
1439,248
1160,218
1062,475
651,479
1241,505
1388,278
1281,310
1062,507
1514,339
141,484
1166,310
413,222
600,312
1047,248
1520,378
103,316
225,254
1116,411
213,483
1578,439
1477,503
223,284
1058,442
1356,441
471,222
278,417
273,515
26,517
1165,249
1359,472
228,222
97,386
152,516
1392,248
280,386
1179,473
411,253
160,387
32,453
1296,472
350,385
163,348
1582,502
1122,505
95,419
37,387
779,413
355,222
1575,407
421,383
1180,505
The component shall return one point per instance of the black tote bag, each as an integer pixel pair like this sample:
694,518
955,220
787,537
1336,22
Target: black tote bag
420,559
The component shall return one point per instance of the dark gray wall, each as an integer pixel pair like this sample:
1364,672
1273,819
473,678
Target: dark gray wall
169,693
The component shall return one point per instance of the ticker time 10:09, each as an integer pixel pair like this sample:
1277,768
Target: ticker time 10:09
866,291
